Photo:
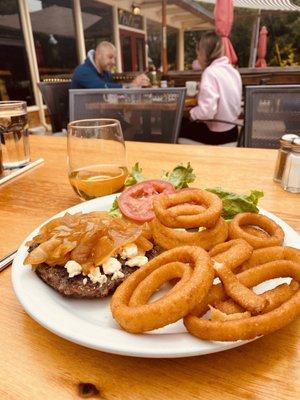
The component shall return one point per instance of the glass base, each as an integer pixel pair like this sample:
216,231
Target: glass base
291,189
16,164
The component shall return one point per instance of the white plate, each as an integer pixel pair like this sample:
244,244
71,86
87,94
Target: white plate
89,322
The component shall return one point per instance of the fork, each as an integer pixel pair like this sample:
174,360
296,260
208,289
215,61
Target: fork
7,260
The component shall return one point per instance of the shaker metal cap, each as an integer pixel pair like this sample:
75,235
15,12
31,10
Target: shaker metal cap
296,145
289,137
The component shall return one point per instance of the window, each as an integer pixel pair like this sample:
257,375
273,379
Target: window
172,40
133,50
154,35
154,44
54,36
15,81
97,19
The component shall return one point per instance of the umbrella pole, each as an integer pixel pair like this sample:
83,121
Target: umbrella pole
254,40
164,57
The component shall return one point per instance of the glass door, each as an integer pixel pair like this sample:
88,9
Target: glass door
132,50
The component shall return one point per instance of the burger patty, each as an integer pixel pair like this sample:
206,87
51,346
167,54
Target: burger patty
58,278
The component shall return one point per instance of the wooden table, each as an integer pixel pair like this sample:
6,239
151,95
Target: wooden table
36,364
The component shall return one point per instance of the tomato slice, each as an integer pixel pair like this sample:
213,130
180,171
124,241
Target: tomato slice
136,201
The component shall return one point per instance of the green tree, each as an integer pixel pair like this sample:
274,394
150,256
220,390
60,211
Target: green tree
283,38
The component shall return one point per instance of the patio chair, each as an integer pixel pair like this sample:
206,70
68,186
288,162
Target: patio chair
148,115
238,143
270,112
56,98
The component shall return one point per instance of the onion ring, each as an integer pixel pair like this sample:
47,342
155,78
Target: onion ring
246,328
255,231
251,278
167,210
275,297
232,253
169,238
217,315
249,328
153,282
236,231
172,307
264,255
244,296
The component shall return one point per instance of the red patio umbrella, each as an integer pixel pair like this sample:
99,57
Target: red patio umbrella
223,13
262,48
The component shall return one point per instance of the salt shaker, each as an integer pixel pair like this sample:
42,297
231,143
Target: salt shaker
285,148
291,174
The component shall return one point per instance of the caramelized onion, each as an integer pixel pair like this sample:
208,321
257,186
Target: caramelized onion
88,239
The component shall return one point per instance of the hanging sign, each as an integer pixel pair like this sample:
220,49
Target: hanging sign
129,19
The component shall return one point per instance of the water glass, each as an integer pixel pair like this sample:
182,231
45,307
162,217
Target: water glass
97,157
14,134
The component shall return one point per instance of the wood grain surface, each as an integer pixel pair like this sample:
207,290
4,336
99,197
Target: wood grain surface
36,364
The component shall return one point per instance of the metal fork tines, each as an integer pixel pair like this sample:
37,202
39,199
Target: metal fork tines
7,260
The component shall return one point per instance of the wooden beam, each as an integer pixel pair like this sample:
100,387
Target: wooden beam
191,26
195,9
185,17
150,4
174,11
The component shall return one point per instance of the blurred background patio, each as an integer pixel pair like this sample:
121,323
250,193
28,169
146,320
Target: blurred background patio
44,40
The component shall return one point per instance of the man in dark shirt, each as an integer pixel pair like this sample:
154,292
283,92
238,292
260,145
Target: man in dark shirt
95,71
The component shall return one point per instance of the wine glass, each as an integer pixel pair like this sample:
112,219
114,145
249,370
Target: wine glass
96,157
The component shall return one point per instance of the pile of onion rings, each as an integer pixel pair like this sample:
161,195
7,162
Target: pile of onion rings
241,254
237,313
188,209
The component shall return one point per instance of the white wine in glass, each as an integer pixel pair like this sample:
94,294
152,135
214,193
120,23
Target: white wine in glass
97,157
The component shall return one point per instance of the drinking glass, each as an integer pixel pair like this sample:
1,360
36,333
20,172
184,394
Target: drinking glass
97,157
14,134
191,88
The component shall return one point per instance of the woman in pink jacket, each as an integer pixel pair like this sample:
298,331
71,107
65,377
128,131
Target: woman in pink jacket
219,98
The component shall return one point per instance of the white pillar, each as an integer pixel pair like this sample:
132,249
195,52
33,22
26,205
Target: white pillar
254,40
146,44
181,49
117,38
79,31
32,60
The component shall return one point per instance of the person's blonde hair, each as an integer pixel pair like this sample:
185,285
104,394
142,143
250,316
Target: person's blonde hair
211,47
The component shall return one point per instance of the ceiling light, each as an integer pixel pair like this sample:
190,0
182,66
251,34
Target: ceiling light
136,9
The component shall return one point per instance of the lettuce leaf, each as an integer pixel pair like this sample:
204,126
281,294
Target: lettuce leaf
234,203
135,176
115,212
180,177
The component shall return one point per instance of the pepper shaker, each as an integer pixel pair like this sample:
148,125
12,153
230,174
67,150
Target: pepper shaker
285,148
291,174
